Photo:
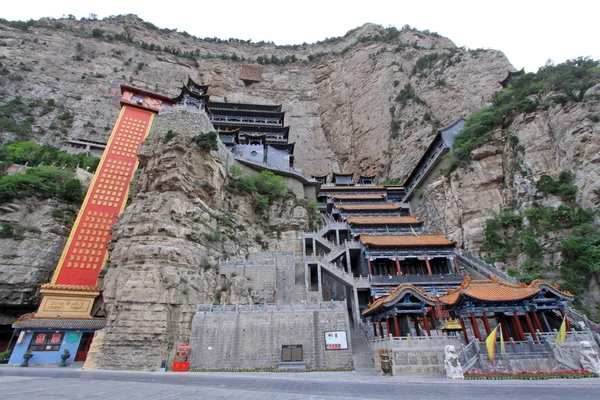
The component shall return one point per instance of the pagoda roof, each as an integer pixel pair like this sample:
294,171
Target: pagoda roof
229,111
186,90
494,290
191,83
31,321
289,147
367,176
320,176
510,76
368,207
343,188
396,295
383,220
228,131
421,240
358,196
343,174
257,128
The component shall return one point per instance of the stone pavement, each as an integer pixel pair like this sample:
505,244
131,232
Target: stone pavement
70,383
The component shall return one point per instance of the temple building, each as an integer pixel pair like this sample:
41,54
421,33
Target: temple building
522,311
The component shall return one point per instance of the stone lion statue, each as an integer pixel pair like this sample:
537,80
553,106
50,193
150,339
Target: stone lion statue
451,364
589,357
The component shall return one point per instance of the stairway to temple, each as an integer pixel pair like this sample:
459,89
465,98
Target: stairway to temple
362,356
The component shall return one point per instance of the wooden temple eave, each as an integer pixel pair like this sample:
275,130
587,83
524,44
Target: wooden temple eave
402,254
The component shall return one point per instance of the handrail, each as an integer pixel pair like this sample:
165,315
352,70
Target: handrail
483,267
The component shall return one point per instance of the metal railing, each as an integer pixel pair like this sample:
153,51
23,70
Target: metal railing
397,280
279,306
483,268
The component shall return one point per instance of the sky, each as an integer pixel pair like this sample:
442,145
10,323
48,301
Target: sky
529,32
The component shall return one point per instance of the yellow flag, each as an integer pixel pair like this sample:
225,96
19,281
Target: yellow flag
413,231
490,343
562,333
502,348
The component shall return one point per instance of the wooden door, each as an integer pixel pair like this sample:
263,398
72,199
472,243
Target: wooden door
84,346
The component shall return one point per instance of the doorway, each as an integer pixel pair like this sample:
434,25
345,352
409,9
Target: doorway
84,346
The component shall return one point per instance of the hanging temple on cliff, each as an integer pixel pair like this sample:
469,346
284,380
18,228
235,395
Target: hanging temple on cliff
370,274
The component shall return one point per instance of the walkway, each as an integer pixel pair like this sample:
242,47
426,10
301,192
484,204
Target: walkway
70,384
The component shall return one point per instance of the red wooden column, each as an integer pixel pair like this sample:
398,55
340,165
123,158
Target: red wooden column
566,320
397,325
464,330
398,267
428,266
374,329
530,326
369,266
389,327
417,330
380,329
519,327
425,320
537,321
486,324
475,327
457,270
505,334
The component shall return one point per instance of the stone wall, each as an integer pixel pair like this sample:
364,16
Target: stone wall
251,339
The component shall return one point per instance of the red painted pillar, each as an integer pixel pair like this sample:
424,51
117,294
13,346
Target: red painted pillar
438,310
428,266
566,320
464,330
486,324
397,325
519,328
369,266
374,329
417,330
380,329
398,267
425,320
456,269
530,326
475,326
537,321
505,334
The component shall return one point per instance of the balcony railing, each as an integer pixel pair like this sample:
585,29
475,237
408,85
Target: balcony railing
422,279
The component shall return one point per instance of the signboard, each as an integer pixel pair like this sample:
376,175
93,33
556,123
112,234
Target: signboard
336,340
72,337
291,352
170,346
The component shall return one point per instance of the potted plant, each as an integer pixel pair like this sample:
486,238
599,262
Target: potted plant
63,358
26,357
4,356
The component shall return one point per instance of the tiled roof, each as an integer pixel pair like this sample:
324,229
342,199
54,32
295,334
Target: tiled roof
368,207
383,220
396,295
494,290
343,188
406,240
358,196
60,323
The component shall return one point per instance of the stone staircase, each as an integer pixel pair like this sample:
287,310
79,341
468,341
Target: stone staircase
362,355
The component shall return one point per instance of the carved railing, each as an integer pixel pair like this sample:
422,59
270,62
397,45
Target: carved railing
483,268
469,355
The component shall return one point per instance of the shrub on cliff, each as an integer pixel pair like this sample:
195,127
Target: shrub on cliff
206,141
43,182
265,187
34,155
551,84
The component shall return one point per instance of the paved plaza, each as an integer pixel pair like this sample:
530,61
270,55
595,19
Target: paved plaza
53,383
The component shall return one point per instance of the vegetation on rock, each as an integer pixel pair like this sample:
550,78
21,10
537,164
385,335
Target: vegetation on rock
42,182
206,141
265,187
34,154
552,84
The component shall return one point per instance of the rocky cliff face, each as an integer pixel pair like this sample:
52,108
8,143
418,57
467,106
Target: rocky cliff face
168,241
339,97
34,233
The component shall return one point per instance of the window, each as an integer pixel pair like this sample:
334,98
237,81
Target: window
46,341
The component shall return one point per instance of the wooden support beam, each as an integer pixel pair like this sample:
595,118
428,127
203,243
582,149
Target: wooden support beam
374,329
397,325
428,266
425,320
464,330
369,266
519,327
530,326
398,267
486,324
537,321
475,326
504,329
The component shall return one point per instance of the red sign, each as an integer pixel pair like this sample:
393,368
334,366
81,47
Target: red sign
40,338
85,253
56,338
